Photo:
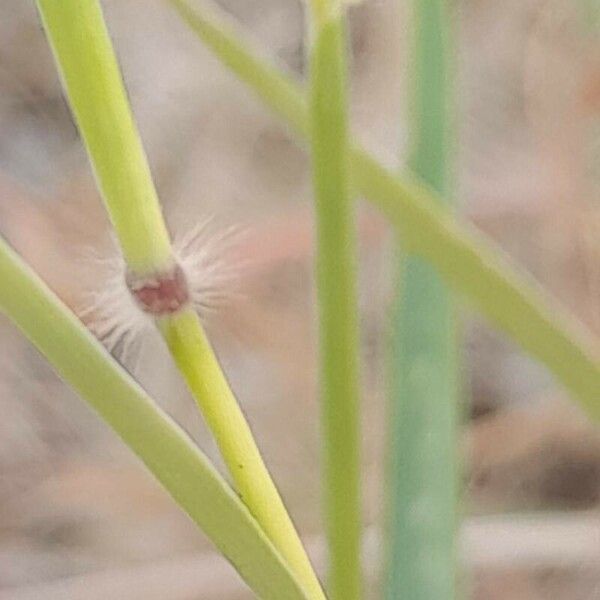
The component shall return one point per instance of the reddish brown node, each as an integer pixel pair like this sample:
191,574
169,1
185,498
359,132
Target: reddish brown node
161,293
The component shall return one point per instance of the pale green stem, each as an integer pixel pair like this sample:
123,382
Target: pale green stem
469,262
161,444
86,60
590,10
424,400
318,12
337,306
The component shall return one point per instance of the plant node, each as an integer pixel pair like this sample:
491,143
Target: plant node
159,294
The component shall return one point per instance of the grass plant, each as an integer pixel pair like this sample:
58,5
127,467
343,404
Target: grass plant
441,257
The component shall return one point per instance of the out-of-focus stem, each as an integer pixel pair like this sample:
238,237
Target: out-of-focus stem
423,470
336,263
468,262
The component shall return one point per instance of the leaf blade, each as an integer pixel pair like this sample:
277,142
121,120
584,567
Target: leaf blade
166,450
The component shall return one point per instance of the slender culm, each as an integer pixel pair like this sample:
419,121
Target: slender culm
93,83
336,261
167,451
422,474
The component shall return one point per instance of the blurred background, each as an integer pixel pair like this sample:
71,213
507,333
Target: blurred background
79,516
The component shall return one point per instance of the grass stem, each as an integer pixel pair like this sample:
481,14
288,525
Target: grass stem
92,80
197,362
336,260
422,492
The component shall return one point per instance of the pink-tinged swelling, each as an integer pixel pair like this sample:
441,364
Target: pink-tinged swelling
160,294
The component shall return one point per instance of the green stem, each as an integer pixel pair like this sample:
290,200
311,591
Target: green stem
337,306
195,358
161,444
422,435
86,60
470,263
591,15
92,80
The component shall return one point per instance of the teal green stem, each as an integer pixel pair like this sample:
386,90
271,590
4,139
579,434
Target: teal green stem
468,262
423,460
337,307
161,444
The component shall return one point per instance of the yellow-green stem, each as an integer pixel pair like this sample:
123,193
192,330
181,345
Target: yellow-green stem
195,358
92,80
94,86
337,306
